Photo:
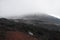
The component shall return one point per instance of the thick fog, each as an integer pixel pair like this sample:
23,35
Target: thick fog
23,7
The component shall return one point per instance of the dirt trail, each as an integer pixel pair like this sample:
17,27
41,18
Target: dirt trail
18,36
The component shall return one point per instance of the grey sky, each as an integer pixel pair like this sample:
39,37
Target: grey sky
22,7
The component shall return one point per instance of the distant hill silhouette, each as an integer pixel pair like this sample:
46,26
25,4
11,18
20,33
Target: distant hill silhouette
42,26
41,19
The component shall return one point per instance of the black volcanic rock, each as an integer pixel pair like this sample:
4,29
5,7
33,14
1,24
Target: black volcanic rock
43,26
49,22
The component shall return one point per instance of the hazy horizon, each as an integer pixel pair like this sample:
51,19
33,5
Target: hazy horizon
10,8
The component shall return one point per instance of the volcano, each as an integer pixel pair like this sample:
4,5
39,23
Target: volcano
43,27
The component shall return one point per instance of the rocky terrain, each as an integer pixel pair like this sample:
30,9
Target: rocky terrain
43,29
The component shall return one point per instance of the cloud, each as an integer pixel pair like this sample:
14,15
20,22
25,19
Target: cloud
22,7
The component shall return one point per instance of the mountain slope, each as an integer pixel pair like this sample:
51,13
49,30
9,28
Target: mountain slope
42,17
